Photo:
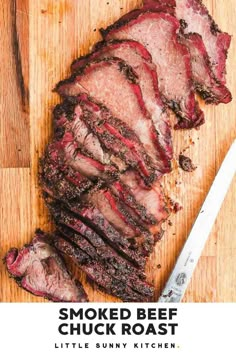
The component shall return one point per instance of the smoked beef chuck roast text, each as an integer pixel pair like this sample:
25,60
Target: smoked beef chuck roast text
100,174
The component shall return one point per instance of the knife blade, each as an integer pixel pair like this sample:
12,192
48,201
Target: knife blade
180,277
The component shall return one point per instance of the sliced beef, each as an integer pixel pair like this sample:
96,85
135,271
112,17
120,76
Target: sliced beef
152,200
206,82
113,209
123,192
65,184
113,136
96,272
40,269
115,265
196,19
54,173
157,32
110,208
136,55
64,187
70,213
135,219
123,99
119,189
117,202
74,155
103,250
122,220
209,88
119,217
68,117
116,136
85,163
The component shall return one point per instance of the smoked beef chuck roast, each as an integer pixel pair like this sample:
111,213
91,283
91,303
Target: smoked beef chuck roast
205,81
124,99
124,190
101,172
113,265
196,19
136,55
108,139
40,269
67,117
96,271
198,37
157,32
93,218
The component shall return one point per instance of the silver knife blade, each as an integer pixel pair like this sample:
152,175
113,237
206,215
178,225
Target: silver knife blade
180,277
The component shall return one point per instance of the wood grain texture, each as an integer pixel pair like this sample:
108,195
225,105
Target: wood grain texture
50,35
14,73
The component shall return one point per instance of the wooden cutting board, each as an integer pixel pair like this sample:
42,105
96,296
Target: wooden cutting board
39,39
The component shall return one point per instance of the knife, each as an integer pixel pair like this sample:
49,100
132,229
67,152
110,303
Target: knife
180,277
